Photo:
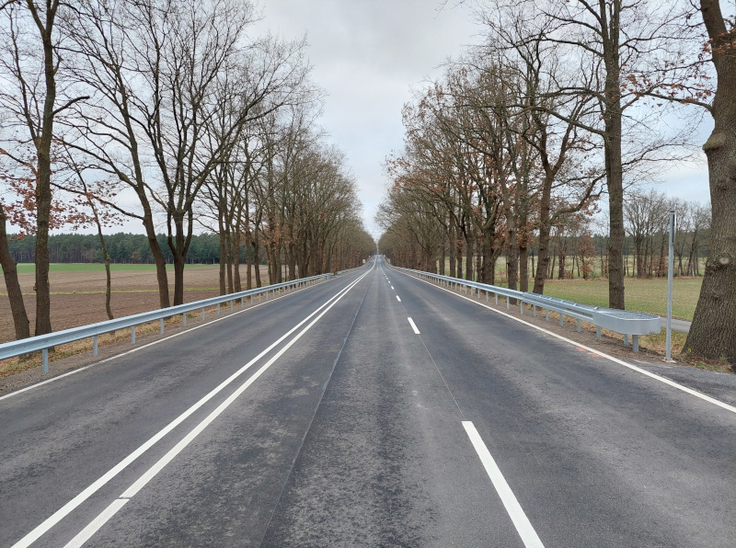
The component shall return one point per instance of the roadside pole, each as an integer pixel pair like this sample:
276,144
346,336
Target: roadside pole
670,268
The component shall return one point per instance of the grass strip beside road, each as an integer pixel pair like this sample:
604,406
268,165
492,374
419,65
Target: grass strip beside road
642,295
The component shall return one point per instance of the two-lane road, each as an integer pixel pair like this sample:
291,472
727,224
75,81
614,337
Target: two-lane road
372,410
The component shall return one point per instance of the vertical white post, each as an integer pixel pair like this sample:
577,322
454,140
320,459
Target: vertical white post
670,268
95,349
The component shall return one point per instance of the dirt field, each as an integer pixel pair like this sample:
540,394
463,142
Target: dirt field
78,298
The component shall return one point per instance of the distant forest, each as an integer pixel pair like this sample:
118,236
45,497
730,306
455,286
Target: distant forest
123,248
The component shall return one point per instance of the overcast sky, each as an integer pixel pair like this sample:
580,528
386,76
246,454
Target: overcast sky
368,55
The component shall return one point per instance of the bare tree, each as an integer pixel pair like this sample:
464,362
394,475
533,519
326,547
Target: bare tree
31,101
610,47
157,70
713,331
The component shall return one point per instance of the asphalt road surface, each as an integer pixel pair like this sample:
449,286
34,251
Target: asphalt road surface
371,410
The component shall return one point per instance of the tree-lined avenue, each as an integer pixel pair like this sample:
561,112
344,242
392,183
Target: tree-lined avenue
371,410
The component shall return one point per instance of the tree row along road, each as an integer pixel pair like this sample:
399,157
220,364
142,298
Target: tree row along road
372,410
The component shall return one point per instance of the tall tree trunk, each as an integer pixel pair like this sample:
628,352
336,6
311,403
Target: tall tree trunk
713,331
223,255
43,183
256,257
614,164
469,246
453,249
248,264
106,255
159,259
15,295
523,268
236,262
229,262
544,230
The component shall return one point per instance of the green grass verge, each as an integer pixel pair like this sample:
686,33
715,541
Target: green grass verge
642,295
27,268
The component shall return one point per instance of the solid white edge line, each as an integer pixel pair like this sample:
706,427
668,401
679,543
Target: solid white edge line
413,326
138,348
398,298
65,510
85,534
633,367
516,512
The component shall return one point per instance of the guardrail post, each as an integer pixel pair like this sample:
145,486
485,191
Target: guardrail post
578,325
626,339
218,309
45,354
636,342
546,314
534,310
242,302
162,326
496,295
486,296
598,331
184,319
521,307
132,335
562,318
203,313
231,306
94,346
508,305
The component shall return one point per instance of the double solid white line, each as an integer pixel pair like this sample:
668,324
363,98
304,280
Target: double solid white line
117,504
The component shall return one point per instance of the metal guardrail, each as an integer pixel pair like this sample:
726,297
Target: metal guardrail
339,272
44,342
621,321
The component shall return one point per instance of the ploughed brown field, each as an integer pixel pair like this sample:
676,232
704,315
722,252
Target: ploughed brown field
78,298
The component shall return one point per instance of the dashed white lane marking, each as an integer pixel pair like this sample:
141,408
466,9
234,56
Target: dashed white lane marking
628,365
516,512
398,298
413,326
392,287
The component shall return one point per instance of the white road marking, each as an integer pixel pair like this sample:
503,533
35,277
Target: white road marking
392,287
65,510
139,348
644,372
398,298
516,512
85,534
413,326
142,481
